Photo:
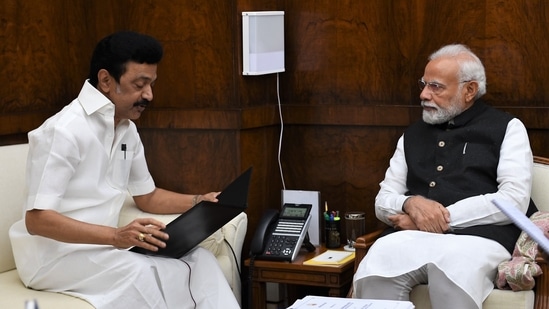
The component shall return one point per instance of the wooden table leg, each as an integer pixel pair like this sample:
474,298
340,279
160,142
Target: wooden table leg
335,292
259,298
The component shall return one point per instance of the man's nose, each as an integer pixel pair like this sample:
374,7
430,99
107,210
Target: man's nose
147,93
426,94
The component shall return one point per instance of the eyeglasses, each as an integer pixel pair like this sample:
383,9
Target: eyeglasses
434,87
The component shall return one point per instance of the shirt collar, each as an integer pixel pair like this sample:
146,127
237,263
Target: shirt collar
92,100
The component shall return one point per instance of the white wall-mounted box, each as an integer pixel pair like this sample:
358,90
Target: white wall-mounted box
262,42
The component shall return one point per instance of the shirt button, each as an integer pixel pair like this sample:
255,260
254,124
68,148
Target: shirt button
440,168
432,184
441,144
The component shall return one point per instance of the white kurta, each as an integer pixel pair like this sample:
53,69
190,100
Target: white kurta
468,261
78,167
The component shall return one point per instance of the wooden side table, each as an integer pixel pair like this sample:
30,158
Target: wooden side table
336,279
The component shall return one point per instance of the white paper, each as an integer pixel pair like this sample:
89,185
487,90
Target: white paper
312,302
332,257
523,222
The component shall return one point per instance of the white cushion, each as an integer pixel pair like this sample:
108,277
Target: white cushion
12,183
540,185
13,294
498,299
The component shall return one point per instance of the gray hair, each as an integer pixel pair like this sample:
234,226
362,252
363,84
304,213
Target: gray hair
471,67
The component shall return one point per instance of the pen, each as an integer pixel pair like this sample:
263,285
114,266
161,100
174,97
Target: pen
123,148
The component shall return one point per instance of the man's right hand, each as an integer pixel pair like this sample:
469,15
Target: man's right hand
143,232
428,215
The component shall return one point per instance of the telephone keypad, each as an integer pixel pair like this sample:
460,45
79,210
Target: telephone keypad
284,238
281,245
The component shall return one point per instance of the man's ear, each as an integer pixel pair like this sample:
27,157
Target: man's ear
104,81
471,90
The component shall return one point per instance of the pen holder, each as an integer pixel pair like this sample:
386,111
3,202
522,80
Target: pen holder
333,233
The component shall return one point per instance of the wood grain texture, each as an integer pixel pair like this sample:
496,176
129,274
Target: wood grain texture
348,91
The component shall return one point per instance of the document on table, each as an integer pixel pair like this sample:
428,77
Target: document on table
331,258
312,302
523,222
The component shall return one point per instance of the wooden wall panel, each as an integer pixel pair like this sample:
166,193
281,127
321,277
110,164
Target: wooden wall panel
39,62
514,52
344,52
348,91
345,164
191,161
259,149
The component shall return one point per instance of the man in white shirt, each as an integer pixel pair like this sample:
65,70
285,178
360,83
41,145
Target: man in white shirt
82,162
437,192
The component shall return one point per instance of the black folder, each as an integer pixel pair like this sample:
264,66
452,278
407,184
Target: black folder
201,221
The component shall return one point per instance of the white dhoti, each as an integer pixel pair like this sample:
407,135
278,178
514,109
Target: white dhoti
112,278
468,262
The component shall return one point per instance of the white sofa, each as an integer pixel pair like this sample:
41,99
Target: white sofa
13,293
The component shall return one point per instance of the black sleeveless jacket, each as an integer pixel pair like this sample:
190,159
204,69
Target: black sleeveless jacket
457,160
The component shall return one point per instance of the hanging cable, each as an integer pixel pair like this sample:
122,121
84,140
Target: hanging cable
281,130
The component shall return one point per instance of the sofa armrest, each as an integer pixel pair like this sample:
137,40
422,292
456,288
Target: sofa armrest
542,286
229,252
225,244
362,244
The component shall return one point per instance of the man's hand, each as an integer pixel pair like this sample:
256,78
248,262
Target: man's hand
402,222
427,215
143,232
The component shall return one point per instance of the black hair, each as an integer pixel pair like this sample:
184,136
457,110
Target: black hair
113,52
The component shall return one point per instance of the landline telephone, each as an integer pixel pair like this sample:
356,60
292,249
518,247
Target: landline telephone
280,236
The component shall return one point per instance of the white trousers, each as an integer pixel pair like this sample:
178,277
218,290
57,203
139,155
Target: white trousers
442,291
112,278
455,267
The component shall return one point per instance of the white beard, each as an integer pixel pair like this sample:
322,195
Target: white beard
441,115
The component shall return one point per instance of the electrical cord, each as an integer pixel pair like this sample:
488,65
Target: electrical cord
281,129
189,285
234,257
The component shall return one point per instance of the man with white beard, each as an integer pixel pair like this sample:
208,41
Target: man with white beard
437,192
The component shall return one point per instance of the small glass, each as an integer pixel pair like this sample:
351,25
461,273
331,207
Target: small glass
355,226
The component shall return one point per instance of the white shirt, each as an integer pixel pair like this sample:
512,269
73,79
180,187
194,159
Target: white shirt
80,166
514,184
76,167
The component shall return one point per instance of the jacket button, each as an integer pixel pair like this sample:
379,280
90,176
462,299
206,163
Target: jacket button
440,168
432,184
441,144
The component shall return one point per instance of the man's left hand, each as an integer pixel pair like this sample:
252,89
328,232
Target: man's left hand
402,222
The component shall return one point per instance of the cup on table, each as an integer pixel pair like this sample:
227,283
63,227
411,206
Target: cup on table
355,226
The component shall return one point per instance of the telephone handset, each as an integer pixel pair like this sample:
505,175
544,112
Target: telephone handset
265,225
280,236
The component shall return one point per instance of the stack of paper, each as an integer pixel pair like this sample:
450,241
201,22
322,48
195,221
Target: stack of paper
331,258
523,222
311,302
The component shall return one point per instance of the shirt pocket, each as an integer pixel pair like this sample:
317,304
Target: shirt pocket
121,168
